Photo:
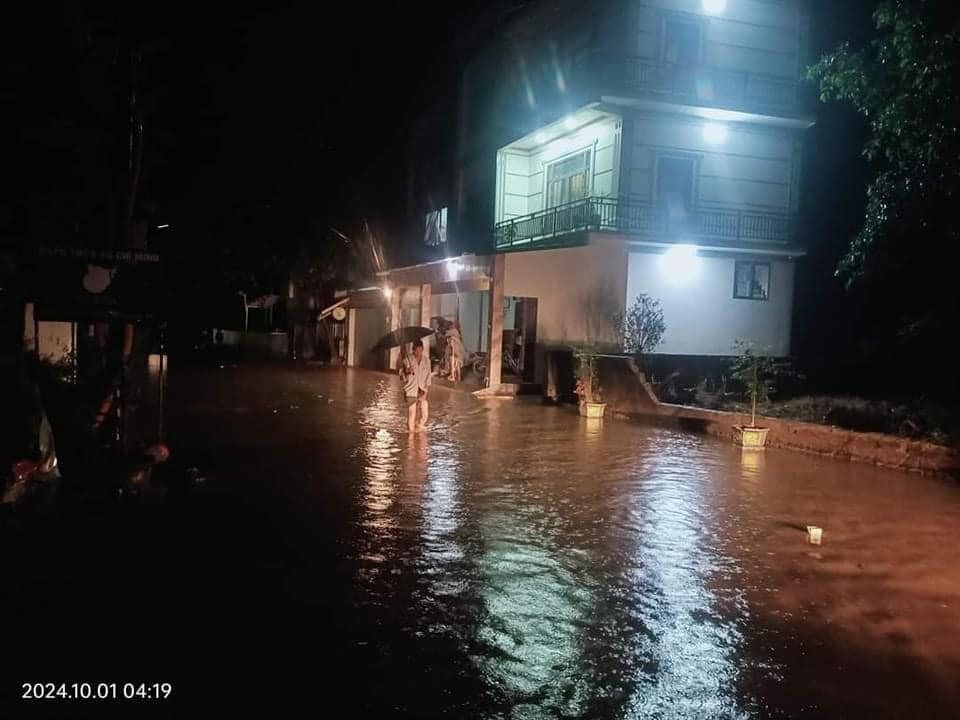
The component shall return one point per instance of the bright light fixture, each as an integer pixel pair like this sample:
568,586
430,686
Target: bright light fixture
570,122
714,7
163,227
715,133
453,267
680,264
387,292
540,138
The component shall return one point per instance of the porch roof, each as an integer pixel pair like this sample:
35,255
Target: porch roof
462,269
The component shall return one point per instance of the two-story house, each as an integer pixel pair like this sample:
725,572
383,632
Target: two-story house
650,146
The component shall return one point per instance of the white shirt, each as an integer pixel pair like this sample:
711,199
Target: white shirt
416,376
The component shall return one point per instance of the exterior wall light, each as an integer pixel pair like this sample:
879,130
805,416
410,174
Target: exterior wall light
387,292
570,123
680,264
714,7
715,133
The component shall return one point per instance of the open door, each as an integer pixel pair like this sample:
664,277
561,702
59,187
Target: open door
528,329
520,340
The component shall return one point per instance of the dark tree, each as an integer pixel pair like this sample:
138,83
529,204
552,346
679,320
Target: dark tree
904,83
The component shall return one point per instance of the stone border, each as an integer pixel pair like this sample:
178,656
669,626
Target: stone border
875,448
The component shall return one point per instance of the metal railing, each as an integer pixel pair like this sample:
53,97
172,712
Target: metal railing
729,227
705,85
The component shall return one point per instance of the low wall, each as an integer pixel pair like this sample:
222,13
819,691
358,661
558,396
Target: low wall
875,448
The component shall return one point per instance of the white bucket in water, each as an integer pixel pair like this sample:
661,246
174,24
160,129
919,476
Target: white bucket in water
814,534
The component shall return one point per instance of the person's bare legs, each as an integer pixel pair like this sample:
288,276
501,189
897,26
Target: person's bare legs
412,417
424,413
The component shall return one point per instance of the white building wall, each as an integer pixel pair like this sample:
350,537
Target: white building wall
703,317
577,290
757,36
753,168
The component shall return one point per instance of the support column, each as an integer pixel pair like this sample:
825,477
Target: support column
352,359
497,264
395,325
426,300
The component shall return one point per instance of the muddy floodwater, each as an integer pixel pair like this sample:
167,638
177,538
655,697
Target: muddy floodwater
514,561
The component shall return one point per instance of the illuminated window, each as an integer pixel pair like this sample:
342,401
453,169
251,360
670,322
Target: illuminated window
751,281
568,180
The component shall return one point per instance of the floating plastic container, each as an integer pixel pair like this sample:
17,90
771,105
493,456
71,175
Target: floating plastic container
814,534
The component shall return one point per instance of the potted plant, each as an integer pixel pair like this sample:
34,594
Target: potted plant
757,372
588,389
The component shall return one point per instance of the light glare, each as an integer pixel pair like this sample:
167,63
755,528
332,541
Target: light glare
715,133
680,264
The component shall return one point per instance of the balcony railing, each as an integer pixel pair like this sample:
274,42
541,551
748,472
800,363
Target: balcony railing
704,85
557,226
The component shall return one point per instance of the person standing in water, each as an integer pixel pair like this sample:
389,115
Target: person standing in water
416,374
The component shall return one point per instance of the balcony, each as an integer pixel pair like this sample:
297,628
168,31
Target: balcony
560,226
704,86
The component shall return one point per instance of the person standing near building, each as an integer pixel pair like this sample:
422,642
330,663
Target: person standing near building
455,341
417,375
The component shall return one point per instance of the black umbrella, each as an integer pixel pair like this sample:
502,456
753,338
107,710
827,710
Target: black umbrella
402,336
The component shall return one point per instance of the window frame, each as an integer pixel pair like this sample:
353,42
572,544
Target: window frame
588,151
694,161
694,21
754,264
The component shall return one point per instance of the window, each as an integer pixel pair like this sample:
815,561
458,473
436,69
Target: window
751,281
675,186
568,179
681,42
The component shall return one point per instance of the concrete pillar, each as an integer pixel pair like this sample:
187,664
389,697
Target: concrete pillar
352,355
495,358
426,300
394,325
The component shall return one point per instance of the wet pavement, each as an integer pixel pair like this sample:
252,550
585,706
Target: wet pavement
514,561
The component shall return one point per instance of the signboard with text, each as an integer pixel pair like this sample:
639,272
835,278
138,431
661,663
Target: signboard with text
72,283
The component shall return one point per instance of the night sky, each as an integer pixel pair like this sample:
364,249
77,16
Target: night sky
292,109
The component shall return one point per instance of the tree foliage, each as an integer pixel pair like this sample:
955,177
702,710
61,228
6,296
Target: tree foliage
758,371
641,326
904,83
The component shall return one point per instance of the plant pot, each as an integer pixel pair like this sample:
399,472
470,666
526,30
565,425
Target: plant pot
750,437
592,409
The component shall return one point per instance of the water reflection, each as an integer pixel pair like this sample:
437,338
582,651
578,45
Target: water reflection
691,646
534,612
378,451
535,605
441,550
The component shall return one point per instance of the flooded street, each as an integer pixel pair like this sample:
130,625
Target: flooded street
517,562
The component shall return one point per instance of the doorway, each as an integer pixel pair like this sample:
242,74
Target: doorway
519,339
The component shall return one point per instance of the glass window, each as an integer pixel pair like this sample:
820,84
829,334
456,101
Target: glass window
751,281
681,42
568,180
674,190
